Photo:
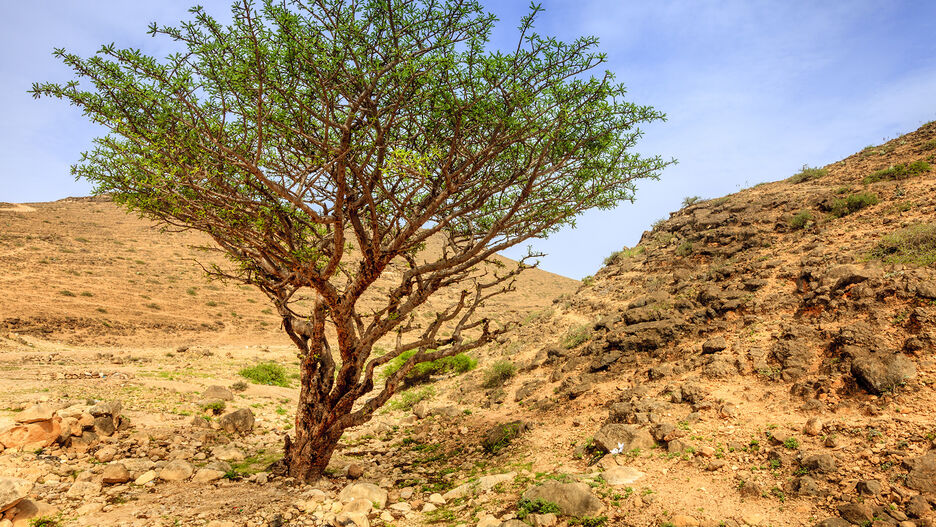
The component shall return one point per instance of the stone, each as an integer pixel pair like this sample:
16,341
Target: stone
358,506
857,513
145,477
918,507
345,519
489,521
105,454
355,470
436,499
40,434
115,473
104,425
238,422
845,275
13,491
682,520
421,409
207,475
111,408
714,345
807,486
29,509
819,462
573,499
488,482
834,522
869,487
752,518
882,372
623,437
177,470
622,475
813,426
35,413
218,392
83,490
501,435
228,453
367,491
922,475
543,520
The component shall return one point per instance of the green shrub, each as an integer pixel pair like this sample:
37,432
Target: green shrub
791,443
915,244
215,407
626,252
46,521
587,281
239,386
929,145
589,521
800,219
690,200
421,372
854,203
408,399
269,373
575,336
684,249
499,373
525,507
66,292
898,172
808,174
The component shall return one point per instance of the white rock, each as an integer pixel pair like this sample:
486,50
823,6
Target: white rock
145,477
436,499
622,475
367,491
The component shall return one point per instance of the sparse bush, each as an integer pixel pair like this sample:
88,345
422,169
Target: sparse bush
66,292
239,386
915,244
690,200
854,203
215,407
808,174
929,145
898,172
46,521
791,443
587,281
684,249
575,336
499,373
191,291
589,521
525,507
269,373
800,220
421,372
408,399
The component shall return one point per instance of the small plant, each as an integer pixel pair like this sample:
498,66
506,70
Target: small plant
589,521
898,172
684,249
153,306
690,200
191,291
66,292
929,145
915,244
800,220
854,203
588,280
525,507
808,174
499,373
269,373
791,443
575,336
215,407
239,386
408,399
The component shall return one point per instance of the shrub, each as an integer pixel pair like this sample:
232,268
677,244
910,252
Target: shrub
46,521
791,443
499,373
684,249
800,219
575,336
898,172
422,371
929,145
525,507
854,203
408,399
269,373
66,292
239,386
690,200
915,244
215,407
808,174
589,521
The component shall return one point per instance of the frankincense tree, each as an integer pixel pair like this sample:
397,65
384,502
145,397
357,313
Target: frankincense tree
318,141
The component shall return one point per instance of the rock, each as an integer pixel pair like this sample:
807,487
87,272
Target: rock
489,521
198,421
543,520
345,519
858,513
807,486
218,392
682,520
177,470
623,437
527,389
421,409
501,435
918,507
35,413
83,490
29,509
813,426
927,290
869,487
819,462
752,518
486,483
355,470
881,372
40,434
145,477
714,345
367,491
228,453
105,454
358,506
12,491
845,275
922,476
238,422
436,499
104,425
834,522
573,499
207,475
111,408
115,473
622,475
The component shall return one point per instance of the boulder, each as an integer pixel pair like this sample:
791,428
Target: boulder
177,470
714,345
238,422
228,453
882,372
857,513
573,499
29,509
367,491
622,437
111,408
39,434
501,435
146,477
819,462
218,392
104,425
845,275
922,475
622,475
13,491
206,475
35,413
115,473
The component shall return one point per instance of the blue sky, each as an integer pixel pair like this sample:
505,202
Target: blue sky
752,90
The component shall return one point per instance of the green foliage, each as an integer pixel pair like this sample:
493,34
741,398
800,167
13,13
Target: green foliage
269,373
684,249
66,292
46,521
575,336
808,174
929,145
791,443
898,172
690,200
239,386
800,220
215,407
408,399
854,203
587,281
915,245
626,252
589,521
525,507
499,373
422,371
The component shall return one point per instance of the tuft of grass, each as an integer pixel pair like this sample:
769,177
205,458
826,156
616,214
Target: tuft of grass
929,145
525,507
626,252
191,291
269,373
239,386
684,249
575,336
690,200
153,305
898,172
66,292
589,521
915,244
46,521
800,220
854,203
499,373
408,399
808,174
215,407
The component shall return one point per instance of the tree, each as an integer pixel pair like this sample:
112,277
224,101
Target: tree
318,141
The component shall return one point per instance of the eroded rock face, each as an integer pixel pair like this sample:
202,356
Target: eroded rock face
573,499
922,476
366,491
13,491
882,372
238,422
218,392
39,434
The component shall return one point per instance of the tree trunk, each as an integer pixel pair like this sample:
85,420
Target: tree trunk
307,455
